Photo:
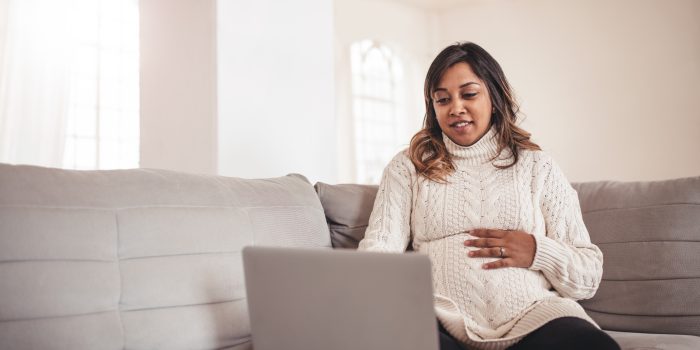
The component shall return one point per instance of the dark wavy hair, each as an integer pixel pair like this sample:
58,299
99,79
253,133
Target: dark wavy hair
427,149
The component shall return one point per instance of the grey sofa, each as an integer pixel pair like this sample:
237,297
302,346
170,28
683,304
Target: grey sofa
150,259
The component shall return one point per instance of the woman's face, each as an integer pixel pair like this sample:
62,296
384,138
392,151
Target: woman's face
462,105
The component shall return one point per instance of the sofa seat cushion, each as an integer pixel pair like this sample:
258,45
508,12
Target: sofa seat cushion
644,341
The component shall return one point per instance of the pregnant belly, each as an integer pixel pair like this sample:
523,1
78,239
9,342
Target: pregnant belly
488,297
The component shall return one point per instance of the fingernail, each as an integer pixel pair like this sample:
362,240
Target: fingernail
485,266
471,253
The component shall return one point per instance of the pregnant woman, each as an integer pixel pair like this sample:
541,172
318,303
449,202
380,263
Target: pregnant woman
500,222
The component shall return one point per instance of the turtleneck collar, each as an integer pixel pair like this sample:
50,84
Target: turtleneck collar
481,152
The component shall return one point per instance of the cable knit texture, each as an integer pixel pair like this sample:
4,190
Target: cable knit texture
490,309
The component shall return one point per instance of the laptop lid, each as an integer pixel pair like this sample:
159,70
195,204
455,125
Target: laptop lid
307,299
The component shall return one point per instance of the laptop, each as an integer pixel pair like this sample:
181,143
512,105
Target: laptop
330,299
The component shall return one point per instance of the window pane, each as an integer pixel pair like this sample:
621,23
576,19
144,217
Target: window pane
129,126
110,127
130,153
110,93
130,83
85,25
104,86
109,153
110,64
111,34
69,153
111,10
85,62
85,152
84,92
84,120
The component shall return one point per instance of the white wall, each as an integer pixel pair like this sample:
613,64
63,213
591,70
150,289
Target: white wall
608,87
409,32
178,85
275,88
3,29
611,88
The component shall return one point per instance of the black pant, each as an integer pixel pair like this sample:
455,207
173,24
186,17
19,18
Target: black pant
571,333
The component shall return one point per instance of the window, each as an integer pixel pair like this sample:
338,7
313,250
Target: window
103,105
375,75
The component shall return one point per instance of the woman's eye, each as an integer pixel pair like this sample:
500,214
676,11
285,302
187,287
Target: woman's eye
470,95
441,100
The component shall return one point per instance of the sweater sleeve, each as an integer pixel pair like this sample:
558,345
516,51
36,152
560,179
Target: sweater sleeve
389,229
565,255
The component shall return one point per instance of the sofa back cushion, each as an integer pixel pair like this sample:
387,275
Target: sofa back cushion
649,233
347,208
138,259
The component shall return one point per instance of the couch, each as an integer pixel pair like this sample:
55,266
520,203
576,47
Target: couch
150,259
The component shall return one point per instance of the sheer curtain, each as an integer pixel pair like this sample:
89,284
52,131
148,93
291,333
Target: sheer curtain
34,81
69,91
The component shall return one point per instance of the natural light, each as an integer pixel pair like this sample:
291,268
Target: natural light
69,84
103,123
375,74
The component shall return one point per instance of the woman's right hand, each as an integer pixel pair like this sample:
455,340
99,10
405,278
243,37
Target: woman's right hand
515,248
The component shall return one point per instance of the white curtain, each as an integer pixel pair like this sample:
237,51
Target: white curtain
34,80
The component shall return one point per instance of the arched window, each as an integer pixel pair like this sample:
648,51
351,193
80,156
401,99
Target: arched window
375,75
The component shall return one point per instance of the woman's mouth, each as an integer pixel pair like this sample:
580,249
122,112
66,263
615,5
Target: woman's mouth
461,125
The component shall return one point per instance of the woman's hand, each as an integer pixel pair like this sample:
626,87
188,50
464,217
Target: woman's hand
515,248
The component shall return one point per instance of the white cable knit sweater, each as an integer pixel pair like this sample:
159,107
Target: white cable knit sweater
490,309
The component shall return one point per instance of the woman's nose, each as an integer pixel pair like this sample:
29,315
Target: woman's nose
457,108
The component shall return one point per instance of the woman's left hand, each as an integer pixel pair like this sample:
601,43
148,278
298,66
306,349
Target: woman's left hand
515,248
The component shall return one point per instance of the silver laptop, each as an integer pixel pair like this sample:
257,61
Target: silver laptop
325,299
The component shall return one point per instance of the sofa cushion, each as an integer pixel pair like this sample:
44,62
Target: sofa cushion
649,233
347,208
646,341
139,258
